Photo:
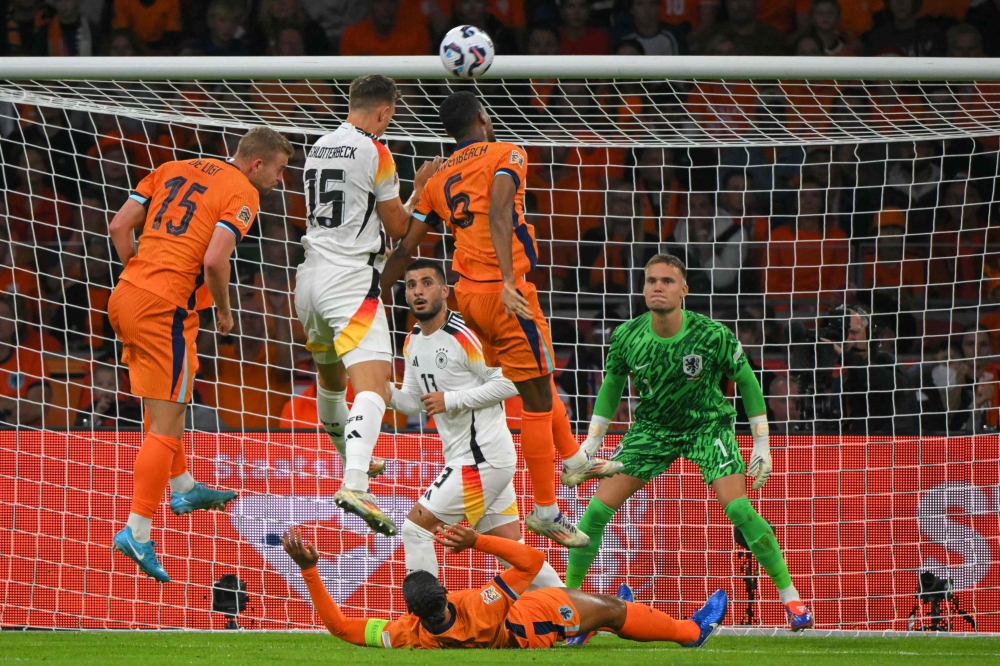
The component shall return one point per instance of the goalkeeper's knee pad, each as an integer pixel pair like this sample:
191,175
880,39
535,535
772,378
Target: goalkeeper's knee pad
418,544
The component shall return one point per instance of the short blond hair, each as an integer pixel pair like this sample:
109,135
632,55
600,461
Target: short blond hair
669,260
263,142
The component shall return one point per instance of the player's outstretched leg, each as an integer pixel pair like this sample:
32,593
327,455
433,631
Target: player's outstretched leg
625,594
151,473
763,544
332,410
187,495
364,422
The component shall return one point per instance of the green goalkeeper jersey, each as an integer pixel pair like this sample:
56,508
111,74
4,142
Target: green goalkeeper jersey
677,379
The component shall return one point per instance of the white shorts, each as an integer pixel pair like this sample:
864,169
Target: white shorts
342,314
473,492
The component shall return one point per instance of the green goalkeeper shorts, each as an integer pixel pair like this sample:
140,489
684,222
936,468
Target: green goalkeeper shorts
647,451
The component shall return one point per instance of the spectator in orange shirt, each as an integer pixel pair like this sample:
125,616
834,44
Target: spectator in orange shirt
383,34
37,215
613,256
659,191
697,19
896,271
250,380
23,388
807,261
790,17
577,36
156,23
567,211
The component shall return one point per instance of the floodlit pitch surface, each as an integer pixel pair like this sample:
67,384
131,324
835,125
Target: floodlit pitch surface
247,649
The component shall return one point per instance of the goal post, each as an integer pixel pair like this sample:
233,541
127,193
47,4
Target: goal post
838,213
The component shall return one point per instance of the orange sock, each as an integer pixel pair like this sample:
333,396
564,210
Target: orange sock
562,432
179,464
643,623
152,472
539,455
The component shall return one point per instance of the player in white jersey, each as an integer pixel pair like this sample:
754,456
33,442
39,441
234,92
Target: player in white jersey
446,375
352,202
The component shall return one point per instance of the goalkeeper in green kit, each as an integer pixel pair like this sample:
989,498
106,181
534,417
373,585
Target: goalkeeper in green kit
677,359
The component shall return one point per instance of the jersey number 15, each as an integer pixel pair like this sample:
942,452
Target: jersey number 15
324,203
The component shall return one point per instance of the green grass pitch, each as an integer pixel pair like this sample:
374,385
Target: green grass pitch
274,649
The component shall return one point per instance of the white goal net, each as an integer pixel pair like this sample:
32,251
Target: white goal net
840,217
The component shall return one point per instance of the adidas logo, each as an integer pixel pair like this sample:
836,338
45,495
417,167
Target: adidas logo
354,435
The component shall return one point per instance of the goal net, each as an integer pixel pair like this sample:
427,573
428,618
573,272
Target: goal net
840,216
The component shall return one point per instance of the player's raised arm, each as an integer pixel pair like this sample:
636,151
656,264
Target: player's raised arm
502,235
525,561
352,630
395,215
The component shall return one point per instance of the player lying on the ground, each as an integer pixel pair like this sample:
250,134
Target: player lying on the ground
447,376
352,202
677,359
500,614
479,193
192,214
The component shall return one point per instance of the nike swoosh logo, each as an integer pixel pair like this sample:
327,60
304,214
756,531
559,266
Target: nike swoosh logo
725,465
135,552
640,367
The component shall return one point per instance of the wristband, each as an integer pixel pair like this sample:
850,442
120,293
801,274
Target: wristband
598,426
758,425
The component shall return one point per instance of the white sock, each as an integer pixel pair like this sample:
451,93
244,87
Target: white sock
182,483
363,426
140,527
418,545
576,460
546,577
788,594
331,407
547,513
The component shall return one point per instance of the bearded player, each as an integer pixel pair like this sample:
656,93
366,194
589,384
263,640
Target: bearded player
501,614
352,202
446,375
479,192
192,214
676,359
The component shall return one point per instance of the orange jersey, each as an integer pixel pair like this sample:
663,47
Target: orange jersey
185,201
460,192
477,621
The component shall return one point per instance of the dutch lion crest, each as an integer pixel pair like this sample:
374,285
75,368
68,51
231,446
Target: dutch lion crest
692,365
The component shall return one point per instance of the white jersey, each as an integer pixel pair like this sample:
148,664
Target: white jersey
346,173
450,360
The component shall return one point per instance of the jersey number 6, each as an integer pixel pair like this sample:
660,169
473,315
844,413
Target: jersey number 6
458,204
326,196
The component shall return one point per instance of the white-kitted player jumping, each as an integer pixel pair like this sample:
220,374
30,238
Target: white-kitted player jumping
352,202
446,375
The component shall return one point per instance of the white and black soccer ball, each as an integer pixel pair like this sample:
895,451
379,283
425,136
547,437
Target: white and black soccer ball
467,51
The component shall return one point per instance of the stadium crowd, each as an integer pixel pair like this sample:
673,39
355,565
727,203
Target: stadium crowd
863,280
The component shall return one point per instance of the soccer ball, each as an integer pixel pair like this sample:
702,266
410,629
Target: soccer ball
467,51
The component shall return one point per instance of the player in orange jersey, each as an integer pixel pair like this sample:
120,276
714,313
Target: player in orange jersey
479,191
192,214
500,614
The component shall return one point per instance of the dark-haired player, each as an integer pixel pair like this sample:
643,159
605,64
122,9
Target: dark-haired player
446,375
352,202
500,614
479,192
676,359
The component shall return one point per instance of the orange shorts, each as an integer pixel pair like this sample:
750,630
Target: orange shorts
158,340
522,347
540,619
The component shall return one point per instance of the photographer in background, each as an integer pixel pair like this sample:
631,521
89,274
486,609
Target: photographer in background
873,396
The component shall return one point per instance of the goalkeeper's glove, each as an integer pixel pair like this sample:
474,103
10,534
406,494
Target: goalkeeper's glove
760,459
595,435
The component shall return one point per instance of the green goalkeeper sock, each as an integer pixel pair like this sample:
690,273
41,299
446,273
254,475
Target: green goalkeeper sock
595,519
761,540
